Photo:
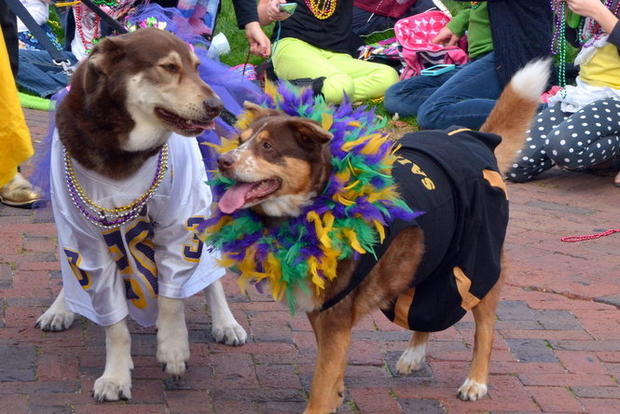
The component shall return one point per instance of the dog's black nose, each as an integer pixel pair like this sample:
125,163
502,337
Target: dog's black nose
225,161
213,106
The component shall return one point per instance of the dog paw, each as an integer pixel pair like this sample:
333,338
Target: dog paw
112,388
472,390
230,333
411,360
173,355
55,320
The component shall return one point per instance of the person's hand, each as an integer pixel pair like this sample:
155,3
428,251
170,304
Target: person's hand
260,44
596,10
446,37
586,8
273,11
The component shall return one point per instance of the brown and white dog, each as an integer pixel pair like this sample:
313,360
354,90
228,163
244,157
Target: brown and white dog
284,162
134,94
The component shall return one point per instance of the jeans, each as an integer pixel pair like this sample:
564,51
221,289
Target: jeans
39,75
464,96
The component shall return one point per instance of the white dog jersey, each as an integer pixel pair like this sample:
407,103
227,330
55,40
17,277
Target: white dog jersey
108,274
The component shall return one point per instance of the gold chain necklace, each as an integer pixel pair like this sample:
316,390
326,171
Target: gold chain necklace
321,9
112,217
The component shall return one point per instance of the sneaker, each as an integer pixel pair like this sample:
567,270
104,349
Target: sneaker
18,193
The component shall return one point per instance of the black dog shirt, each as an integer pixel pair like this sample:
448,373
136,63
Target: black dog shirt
452,177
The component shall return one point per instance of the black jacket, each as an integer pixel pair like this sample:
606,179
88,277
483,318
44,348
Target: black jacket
452,177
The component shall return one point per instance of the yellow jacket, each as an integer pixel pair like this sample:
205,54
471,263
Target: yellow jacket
15,143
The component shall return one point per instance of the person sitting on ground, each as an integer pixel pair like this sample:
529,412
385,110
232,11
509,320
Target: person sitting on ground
377,16
581,126
503,36
316,43
38,74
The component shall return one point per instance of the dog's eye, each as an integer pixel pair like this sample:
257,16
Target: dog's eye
267,146
171,67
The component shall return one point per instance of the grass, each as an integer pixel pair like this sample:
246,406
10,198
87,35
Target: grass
227,23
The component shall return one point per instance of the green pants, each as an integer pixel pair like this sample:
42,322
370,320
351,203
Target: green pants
360,80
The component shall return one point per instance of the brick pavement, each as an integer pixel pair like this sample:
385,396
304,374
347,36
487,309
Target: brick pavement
557,347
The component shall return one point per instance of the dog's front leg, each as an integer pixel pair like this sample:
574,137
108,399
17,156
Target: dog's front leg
57,317
172,336
224,326
115,383
333,336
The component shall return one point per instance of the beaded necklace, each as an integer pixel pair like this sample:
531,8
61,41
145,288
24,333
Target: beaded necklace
590,29
110,3
112,217
79,26
321,9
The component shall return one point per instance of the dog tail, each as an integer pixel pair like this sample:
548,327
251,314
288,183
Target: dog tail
513,113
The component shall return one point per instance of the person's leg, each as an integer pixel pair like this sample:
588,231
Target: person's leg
466,99
533,158
589,137
343,75
296,59
370,80
406,96
39,75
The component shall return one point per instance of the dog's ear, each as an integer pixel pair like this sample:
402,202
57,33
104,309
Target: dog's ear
104,56
308,132
258,111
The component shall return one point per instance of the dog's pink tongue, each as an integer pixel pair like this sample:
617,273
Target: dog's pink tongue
234,198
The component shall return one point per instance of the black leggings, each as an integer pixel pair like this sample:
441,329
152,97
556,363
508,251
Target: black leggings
574,141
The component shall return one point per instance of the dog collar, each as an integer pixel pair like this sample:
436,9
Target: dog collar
347,219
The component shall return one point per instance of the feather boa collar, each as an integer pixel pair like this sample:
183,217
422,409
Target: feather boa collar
347,219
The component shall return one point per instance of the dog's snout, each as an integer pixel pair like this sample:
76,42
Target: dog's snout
225,161
213,106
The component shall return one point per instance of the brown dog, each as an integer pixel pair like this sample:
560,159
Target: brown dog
283,162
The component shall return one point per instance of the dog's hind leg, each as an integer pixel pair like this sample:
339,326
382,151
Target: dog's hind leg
475,386
57,317
225,327
413,357
333,335
115,383
172,336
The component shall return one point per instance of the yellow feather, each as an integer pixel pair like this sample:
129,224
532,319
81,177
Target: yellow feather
328,222
217,226
327,121
373,145
343,200
355,244
272,90
316,279
380,230
353,184
352,144
356,124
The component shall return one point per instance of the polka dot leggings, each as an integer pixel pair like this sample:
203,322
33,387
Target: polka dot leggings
573,141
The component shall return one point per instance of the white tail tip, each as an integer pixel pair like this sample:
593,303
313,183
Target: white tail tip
531,81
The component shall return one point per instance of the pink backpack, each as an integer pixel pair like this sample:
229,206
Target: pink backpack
415,34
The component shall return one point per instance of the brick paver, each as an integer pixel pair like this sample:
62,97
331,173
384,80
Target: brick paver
557,347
